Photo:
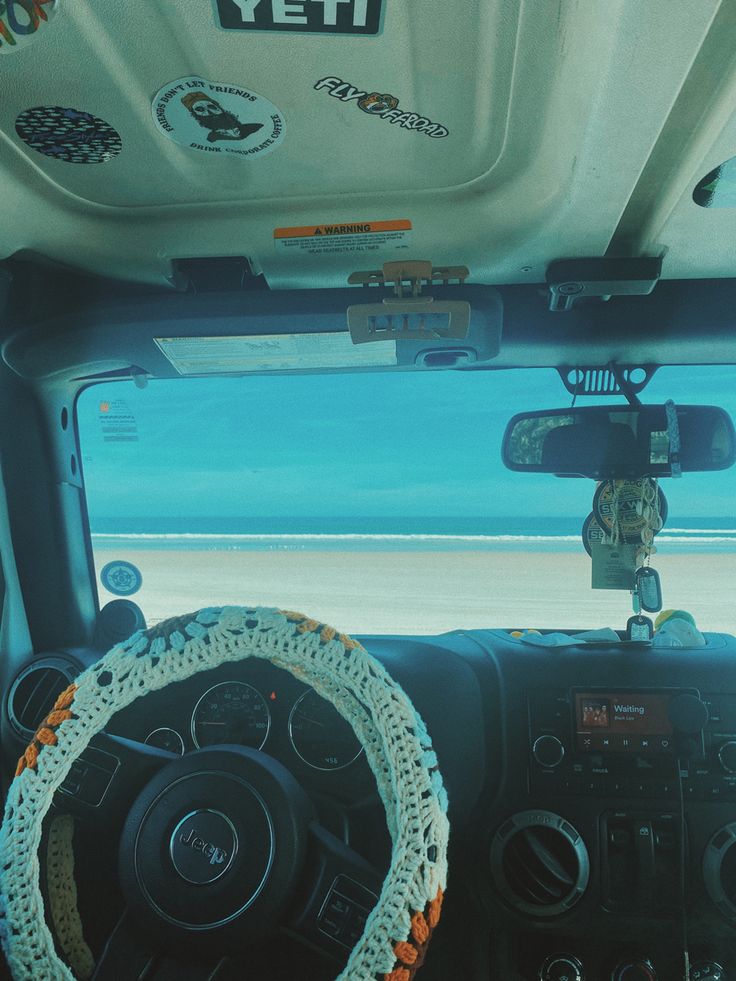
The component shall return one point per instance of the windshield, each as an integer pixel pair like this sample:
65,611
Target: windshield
377,502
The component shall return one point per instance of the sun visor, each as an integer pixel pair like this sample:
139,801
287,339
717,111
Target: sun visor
170,335
455,326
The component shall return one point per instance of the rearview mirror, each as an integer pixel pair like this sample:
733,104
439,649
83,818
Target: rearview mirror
609,442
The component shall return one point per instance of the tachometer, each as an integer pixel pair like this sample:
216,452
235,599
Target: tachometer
165,738
231,712
320,735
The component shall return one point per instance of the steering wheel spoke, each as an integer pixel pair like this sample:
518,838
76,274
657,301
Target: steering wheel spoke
131,954
106,778
339,890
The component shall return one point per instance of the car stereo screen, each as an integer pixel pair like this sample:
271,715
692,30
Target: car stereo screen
622,722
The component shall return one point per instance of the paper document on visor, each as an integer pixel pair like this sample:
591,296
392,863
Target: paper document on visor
272,352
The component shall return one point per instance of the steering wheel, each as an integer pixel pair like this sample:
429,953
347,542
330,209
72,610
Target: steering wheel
221,846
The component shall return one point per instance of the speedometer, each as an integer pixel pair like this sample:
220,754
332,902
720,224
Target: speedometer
320,735
231,712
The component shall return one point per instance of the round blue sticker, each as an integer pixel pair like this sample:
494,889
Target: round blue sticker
121,578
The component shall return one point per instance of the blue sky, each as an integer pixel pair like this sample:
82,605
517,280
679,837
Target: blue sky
375,444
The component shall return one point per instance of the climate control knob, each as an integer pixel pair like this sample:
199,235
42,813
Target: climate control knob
561,967
639,970
707,971
727,756
548,751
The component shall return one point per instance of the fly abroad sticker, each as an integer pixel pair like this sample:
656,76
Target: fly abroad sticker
216,118
382,105
332,239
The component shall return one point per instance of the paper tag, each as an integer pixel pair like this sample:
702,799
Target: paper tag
272,352
613,566
353,237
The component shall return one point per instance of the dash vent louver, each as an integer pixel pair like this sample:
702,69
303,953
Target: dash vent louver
719,870
539,863
34,692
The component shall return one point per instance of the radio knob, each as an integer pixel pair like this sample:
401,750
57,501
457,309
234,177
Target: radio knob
634,971
727,756
548,751
561,967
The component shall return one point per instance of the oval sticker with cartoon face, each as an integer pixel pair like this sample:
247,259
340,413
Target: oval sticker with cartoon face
217,118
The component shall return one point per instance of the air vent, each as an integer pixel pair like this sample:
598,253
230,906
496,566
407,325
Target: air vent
539,863
719,870
34,692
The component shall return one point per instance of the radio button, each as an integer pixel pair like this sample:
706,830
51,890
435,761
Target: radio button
548,751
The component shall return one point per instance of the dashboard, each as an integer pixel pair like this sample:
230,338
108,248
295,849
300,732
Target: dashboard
592,791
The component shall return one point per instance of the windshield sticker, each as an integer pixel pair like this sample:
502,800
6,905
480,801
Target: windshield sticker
381,105
217,118
121,578
301,16
718,188
68,134
272,352
20,20
117,422
358,236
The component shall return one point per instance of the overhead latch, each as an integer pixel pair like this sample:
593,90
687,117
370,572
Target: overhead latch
409,314
571,280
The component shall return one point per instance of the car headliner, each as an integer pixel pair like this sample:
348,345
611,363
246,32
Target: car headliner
574,130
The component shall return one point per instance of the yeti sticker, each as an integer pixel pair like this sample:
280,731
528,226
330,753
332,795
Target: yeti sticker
301,16
217,118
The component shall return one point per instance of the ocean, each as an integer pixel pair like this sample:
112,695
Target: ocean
386,534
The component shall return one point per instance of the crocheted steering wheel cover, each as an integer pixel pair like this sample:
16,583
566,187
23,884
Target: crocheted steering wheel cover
395,739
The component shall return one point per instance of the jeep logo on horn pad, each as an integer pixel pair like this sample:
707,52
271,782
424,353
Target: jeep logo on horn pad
202,846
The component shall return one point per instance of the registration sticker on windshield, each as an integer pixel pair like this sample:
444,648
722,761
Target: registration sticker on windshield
344,237
272,352
217,118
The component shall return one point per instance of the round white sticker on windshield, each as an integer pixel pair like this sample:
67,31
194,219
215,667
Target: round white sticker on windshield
217,118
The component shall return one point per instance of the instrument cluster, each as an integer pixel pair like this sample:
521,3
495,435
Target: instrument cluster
251,704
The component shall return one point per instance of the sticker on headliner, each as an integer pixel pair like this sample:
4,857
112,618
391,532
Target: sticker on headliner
20,20
217,118
382,105
357,236
68,134
301,16
718,188
272,352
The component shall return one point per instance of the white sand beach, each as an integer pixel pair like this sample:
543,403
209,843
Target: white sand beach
423,592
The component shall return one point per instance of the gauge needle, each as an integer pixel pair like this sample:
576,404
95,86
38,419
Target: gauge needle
212,723
314,722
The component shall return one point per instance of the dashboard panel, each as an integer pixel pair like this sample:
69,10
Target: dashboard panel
590,788
252,703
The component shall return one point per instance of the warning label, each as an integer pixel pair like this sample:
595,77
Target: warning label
357,236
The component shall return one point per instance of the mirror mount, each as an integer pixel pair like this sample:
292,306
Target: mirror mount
613,379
